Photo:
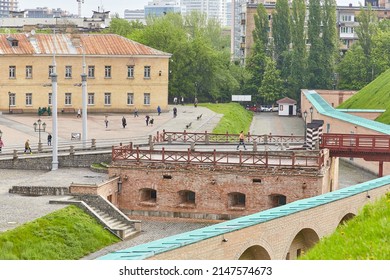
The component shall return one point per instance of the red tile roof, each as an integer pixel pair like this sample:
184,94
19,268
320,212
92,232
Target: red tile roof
286,100
67,44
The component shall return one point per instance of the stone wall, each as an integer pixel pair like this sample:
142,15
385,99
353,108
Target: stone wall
44,162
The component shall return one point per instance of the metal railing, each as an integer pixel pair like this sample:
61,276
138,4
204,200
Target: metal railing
356,143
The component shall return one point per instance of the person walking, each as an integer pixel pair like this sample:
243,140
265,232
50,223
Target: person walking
135,112
1,144
182,101
158,110
79,113
174,112
124,123
241,140
27,146
196,102
151,121
147,120
106,121
49,137
175,100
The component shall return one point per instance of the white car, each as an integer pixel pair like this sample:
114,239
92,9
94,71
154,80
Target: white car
266,108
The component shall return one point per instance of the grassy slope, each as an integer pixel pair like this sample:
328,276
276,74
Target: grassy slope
235,117
365,237
66,234
375,95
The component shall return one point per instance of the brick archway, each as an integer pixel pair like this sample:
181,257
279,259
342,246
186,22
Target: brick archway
255,252
303,240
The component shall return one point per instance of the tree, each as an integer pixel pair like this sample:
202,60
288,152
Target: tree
298,57
272,86
330,45
352,70
315,59
281,34
366,30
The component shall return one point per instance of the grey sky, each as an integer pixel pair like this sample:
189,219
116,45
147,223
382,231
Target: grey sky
114,6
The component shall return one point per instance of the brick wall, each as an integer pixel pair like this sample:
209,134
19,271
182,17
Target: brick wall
214,189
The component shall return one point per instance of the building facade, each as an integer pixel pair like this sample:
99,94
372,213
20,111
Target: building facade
121,74
243,25
6,6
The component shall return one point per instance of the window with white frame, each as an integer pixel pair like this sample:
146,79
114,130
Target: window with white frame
146,98
68,72
29,72
346,18
68,98
91,71
28,99
12,72
12,99
147,72
107,71
50,98
107,98
130,98
130,71
91,98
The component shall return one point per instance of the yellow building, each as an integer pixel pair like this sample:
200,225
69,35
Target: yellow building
121,74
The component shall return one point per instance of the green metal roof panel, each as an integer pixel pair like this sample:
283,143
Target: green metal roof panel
144,251
325,109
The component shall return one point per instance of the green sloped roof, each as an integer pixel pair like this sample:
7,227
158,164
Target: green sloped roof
325,109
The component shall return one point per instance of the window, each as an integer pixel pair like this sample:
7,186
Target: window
130,71
130,98
146,98
28,72
187,197
91,99
236,199
28,99
51,70
12,72
278,200
346,18
91,71
12,99
68,72
68,98
148,195
107,98
147,72
49,101
107,71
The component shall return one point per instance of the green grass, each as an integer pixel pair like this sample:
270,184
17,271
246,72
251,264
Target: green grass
365,237
235,117
66,234
376,95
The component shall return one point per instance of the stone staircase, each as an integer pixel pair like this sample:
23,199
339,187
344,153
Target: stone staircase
105,213
120,228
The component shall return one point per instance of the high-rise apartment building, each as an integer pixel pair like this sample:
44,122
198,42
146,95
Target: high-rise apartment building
214,9
7,6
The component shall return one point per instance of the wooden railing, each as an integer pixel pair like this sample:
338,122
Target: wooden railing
357,143
205,137
290,159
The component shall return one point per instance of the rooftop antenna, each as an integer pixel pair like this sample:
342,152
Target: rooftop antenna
80,2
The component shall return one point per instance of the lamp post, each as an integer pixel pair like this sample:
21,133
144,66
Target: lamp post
311,113
304,117
9,102
39,129
53,75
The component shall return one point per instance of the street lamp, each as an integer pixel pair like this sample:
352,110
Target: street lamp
54,76
304,117
39,129
9,102
311,113
196,95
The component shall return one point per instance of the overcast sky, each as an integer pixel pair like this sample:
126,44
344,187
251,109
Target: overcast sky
114,6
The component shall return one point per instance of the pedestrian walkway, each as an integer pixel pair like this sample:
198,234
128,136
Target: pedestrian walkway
18,128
